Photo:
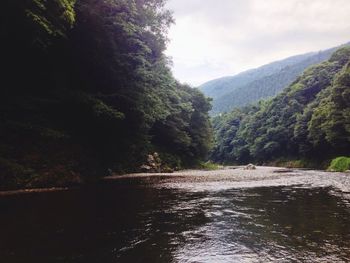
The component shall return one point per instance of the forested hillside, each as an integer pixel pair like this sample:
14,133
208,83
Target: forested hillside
86,90
261,83
308,121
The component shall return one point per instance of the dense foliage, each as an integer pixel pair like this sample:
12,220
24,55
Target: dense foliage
261,83
308,120
87,89
340,164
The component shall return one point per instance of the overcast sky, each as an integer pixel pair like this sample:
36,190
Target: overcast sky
215,38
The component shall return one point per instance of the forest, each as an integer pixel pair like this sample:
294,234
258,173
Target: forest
263,82
87,91
107,156
307,124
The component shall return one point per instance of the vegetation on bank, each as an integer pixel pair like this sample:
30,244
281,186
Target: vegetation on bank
209,166
309,120
340,164
87,91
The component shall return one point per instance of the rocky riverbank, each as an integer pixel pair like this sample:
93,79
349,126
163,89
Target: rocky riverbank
233,176
237,177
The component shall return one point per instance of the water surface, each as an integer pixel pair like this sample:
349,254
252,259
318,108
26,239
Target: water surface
139,220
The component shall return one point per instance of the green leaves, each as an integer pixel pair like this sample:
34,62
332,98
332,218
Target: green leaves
330,119
48,19
340,164
102,95
310,119
186,131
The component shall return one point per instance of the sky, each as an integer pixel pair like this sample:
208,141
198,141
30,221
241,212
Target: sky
216,38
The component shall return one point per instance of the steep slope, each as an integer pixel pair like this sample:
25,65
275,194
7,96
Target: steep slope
218,87
266,81
87,91
309,119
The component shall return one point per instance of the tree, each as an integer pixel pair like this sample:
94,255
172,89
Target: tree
309,119
92,76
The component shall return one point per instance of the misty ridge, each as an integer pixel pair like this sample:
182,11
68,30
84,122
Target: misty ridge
256,84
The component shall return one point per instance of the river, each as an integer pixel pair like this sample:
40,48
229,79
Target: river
228,216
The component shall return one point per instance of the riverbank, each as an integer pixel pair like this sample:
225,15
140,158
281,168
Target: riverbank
228,173
33,190
238,177
235,176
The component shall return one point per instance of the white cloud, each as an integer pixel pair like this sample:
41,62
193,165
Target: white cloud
214,38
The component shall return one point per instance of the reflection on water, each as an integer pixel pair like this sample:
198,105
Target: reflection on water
119,222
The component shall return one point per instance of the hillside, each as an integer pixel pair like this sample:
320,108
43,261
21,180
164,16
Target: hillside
87,91
263,82
308,120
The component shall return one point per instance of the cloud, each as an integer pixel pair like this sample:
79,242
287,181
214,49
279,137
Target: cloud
217,38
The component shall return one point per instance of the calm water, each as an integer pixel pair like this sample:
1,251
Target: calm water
146,222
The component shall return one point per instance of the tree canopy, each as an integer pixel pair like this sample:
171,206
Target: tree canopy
309,119
88,89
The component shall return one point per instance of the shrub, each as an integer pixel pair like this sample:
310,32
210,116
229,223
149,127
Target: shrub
209,166
340,164
171,161
13,175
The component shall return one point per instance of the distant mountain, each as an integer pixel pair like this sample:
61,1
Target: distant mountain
308,122
263,82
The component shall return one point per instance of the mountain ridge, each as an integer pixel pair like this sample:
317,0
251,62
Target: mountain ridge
260,83
308,122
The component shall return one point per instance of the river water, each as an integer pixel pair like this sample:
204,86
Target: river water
149,220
